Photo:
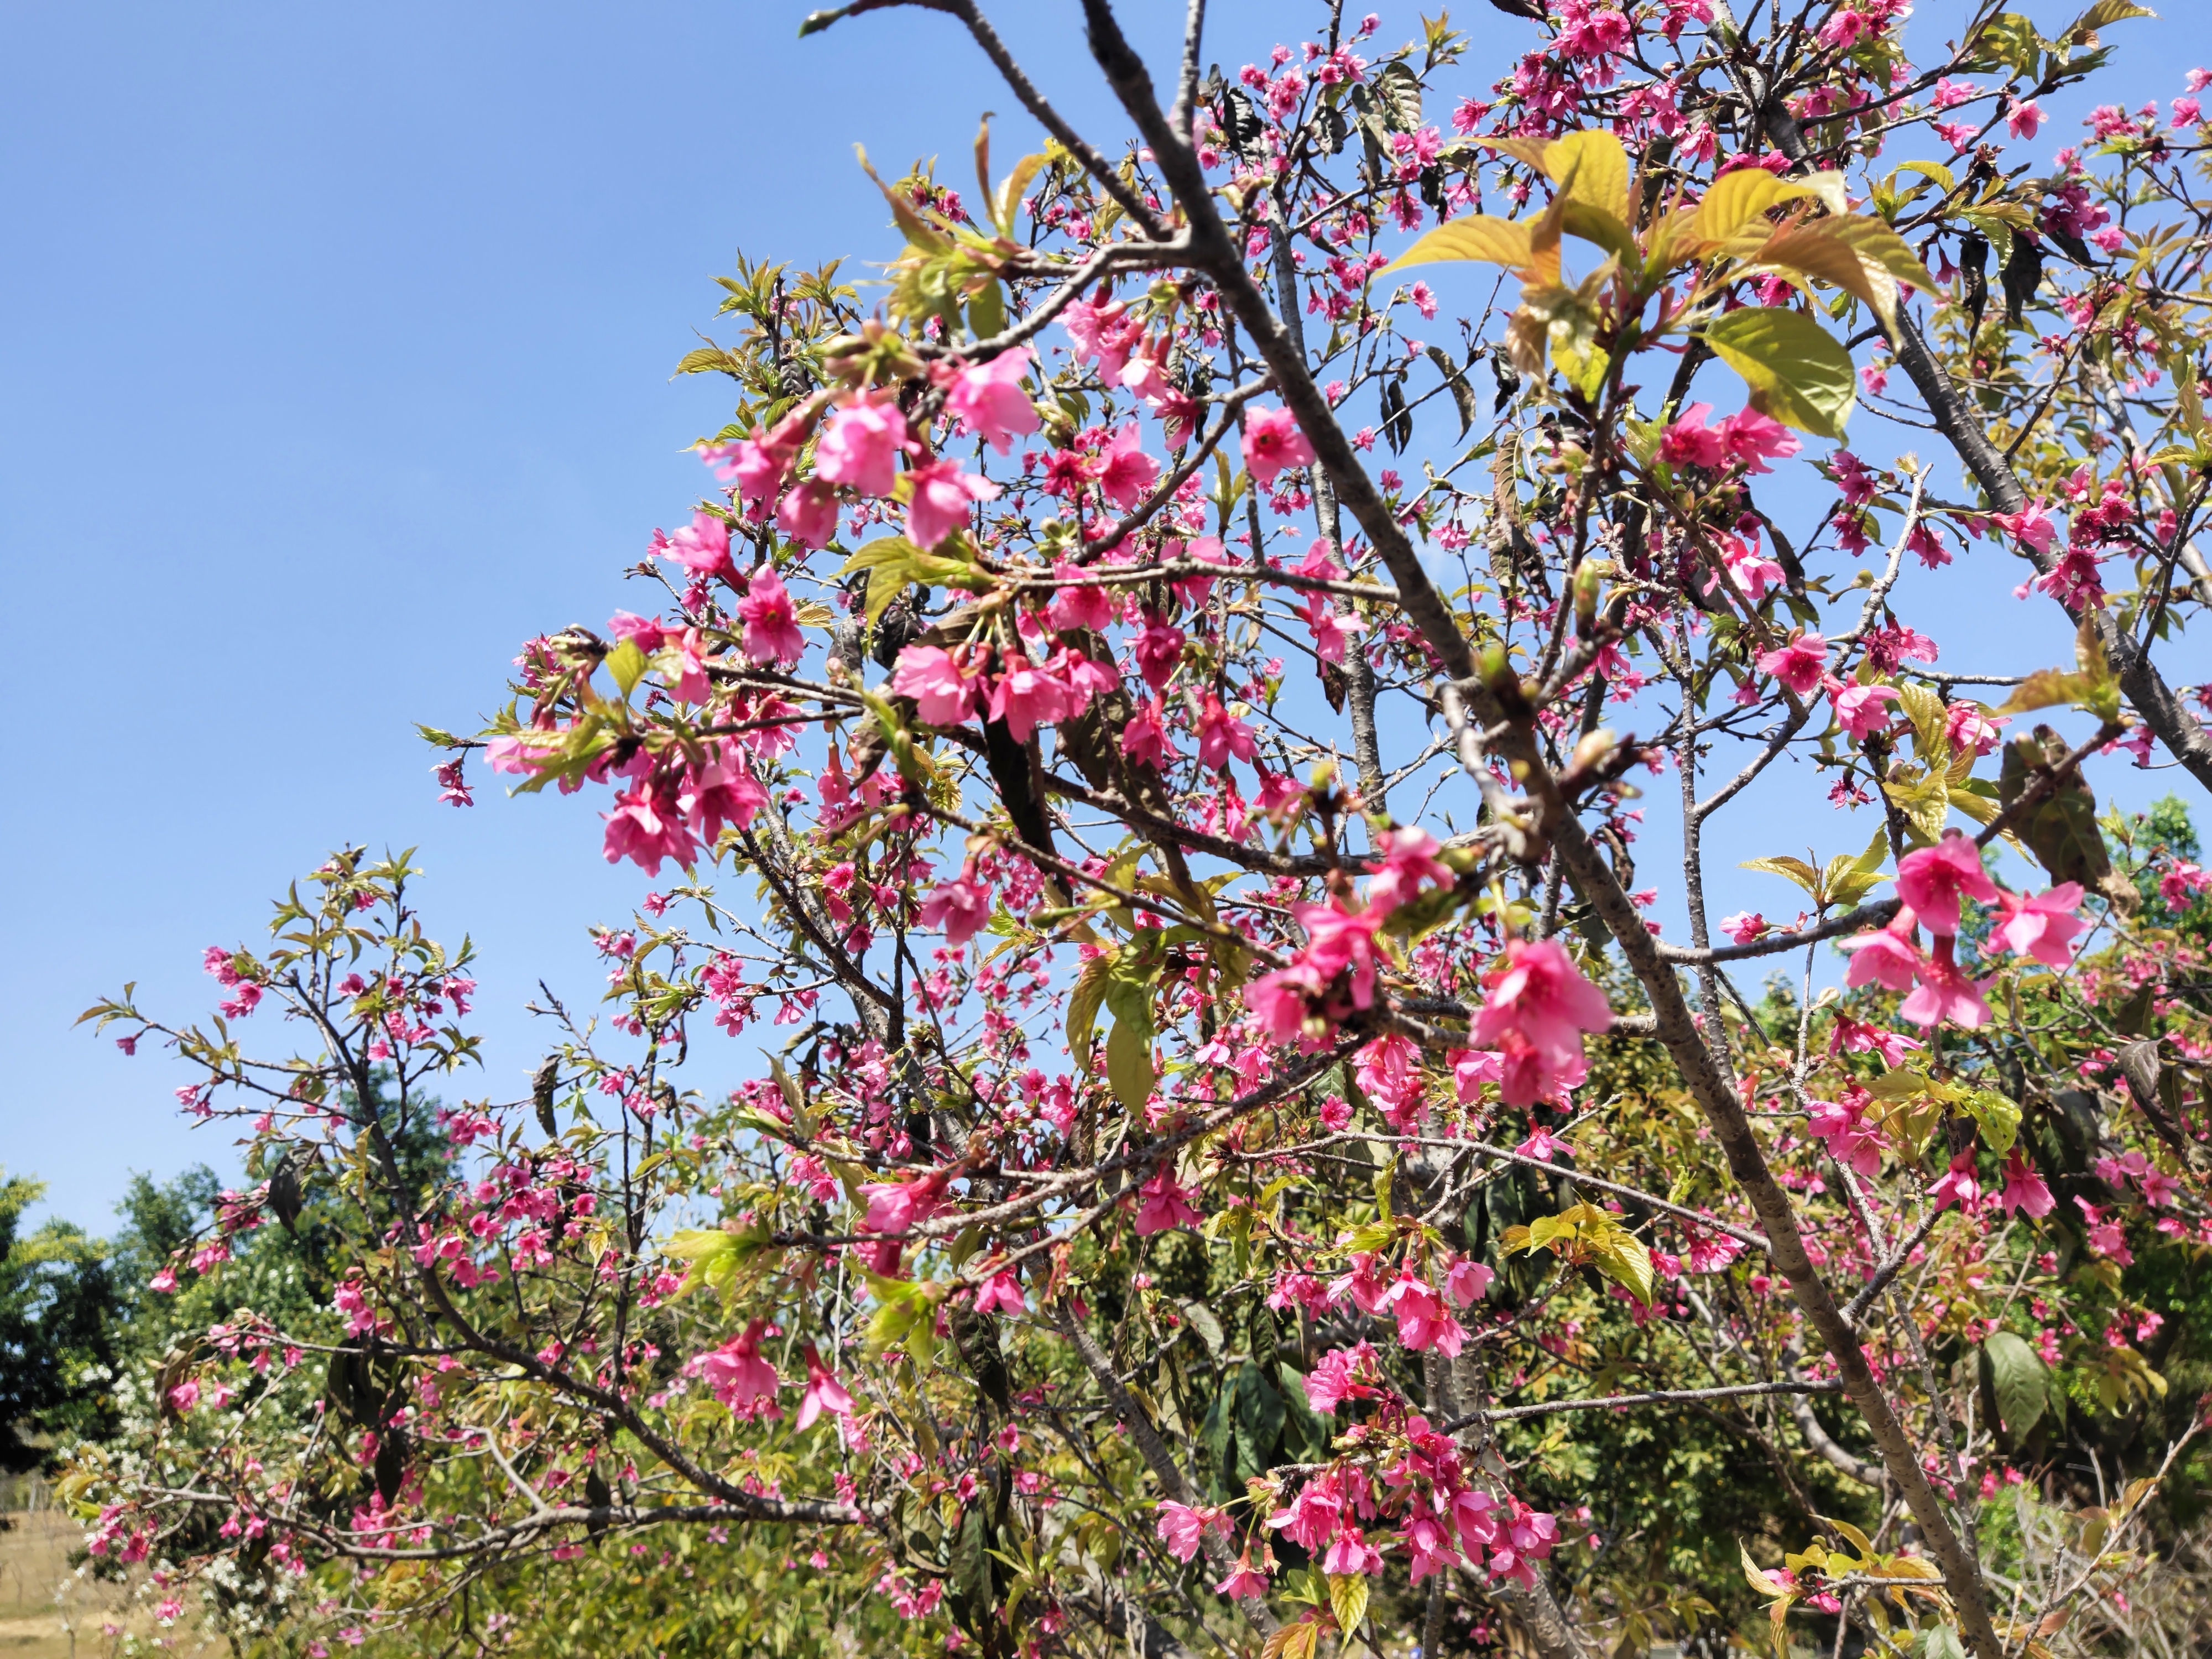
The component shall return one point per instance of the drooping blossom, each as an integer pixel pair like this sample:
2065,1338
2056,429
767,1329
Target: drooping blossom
860,445
2106,1236
1850,1139
962,906
1537,1005
808,513
771,620
2024,1191
2042,926
1753,439
1933,880
931,675
1887,957
1222,736
646,827
739,1377
1183,1528
1946,993
1801,664
1409,858
942,495
1081,604
1026,695
823,1393
1690,442
1244,1580
1272,441
702,547
1146,736
1126,473
1165,1204
1859,708
1745,929
1959,1184
897,1207
987,398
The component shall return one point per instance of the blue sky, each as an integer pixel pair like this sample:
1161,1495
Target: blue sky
336,363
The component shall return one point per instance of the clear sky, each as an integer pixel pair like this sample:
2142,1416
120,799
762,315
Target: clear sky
335,362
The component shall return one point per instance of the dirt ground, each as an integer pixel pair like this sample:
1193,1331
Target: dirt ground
87,1621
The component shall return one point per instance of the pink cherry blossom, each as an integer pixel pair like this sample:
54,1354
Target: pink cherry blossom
646,827
1146,736
758,465
1859,709
1027,696
1957,1185
942,695
1933,880
1745,929
1946,993
720,794
703,547
1753,438
942,495
1244,1580
2042,926
860,445
897,1207
771,621
1126,473
823,1393
1691,442
2024,1189
1801,664
987,398
1183,1528
1887,957
1409,858
1165,1204
961,908
2023,117
1272,441
1083,604
808,513
1536,1008
1158,651
739,1377
1221,736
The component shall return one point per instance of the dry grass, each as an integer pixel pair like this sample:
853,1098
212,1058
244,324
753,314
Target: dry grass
48,1612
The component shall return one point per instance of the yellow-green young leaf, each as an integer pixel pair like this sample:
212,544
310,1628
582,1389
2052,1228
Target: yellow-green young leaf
1083,1004
1935,171
1796,869
2045,689
2102,696
1799,374
1592,167
1815,250
1347,1600
1498,241
1129,1064
1929,716
2103,14
1997,1115
627,663
1737,199
1925,802
1849,879
1881,248
1764,1582
1625,1259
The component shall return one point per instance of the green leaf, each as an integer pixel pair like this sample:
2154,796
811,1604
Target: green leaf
1798,373
1218,1431
2010,40
1997,1115
1129,1064
1941,1641
627,663
1259,1419
1083,1007
2103,14
1796,869
2017,1380
1301,1422
1851,879
1347,1600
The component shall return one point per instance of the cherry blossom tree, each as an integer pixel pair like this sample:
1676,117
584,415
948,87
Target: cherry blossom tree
1150,731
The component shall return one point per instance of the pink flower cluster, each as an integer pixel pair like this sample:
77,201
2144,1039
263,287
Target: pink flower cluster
1932,882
